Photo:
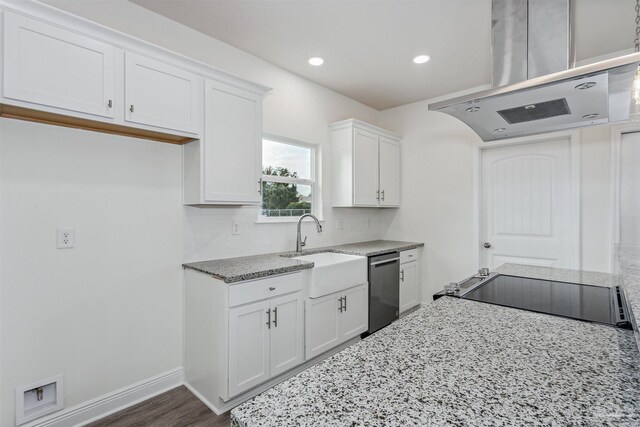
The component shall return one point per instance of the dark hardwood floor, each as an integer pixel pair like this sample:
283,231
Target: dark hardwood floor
177,407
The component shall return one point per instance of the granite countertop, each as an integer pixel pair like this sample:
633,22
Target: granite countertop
460,362
232,270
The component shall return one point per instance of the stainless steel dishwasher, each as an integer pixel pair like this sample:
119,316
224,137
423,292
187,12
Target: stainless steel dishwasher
384,290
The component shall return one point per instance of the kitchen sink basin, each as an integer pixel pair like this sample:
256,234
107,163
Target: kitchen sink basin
334,272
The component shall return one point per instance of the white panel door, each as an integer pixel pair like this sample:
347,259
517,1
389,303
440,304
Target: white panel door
365,168
389,172
409,291
286,343
353,320
248,346
160,95
321,325
527,213
232,145
46,65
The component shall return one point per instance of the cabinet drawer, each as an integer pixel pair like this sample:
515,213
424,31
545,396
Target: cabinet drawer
407,256
255,290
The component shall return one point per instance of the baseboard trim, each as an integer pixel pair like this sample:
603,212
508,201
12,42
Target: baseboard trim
110,403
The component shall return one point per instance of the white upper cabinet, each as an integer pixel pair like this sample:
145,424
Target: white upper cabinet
63,70
225,167
53,67
389,172
365,168
160,95
365,165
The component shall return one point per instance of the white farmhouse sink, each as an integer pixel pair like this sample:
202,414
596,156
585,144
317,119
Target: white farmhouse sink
334,272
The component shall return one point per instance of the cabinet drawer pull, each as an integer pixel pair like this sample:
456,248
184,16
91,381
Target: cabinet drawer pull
131,108
269,318
377,194
340,304
383,195
345,303
271,288
260,186
402,275
110,104
275,317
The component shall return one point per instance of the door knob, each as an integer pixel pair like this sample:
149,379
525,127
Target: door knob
487,245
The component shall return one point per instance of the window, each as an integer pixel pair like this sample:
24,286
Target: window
288,178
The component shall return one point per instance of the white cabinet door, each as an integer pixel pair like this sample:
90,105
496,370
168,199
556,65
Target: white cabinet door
287,319
409,290
160,95
365,168
50,66
353,320
389,172
321,325
248,346
233,149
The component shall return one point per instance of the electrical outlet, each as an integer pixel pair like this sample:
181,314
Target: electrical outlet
340,224
66,237
235,228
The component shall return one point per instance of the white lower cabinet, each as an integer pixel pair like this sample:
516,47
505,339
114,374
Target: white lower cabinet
248,346
265,340
240,335
334,319
409,285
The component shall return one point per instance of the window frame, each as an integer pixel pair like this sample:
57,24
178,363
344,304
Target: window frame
312,181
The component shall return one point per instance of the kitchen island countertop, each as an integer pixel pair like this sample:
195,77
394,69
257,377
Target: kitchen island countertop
460,362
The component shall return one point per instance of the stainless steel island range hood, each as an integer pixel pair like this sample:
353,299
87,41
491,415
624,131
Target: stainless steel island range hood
535,91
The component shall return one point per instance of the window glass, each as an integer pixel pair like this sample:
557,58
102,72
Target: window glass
287,179
287,157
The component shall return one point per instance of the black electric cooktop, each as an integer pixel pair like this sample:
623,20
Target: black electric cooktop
584,302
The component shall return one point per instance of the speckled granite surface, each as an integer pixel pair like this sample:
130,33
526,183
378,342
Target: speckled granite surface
232,270
371,248
629,264
561,275
465,363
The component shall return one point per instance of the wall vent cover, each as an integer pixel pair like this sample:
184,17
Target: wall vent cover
531,112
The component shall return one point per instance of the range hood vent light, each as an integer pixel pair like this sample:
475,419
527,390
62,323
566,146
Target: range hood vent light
541,110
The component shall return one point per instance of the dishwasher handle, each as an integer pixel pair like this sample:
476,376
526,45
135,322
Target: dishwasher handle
385,261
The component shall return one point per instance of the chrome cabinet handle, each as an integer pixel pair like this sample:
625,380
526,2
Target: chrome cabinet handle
402,275
269,318
383,195
340,305
110,104
345,303
271,288
275,317
487,245
131,108
377,194
260,186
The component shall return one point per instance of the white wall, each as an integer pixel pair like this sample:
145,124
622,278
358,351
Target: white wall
437,194
109,312
106,313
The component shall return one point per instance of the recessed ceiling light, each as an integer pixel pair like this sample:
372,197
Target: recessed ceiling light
421,59
316,60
